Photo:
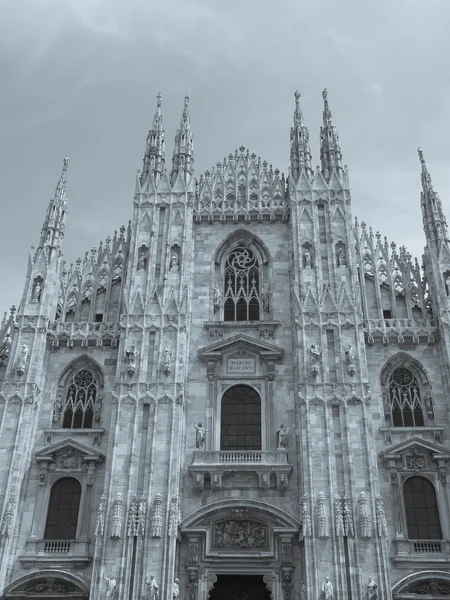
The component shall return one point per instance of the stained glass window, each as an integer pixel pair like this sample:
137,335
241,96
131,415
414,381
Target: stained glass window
405,399
241,293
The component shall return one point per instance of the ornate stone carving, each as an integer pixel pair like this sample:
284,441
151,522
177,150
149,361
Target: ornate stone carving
37,290
57,407
322,516
429,406
281,436
350,361
133,518
193,584
69,461
130,357
240,513
142,258
286,582
415,461
22,360
117,517
365,521
174,516
193,552
265,297
338,517
434,588
381,518
167,360
306,517
157,517
176,590
174,263
200,433
142,513
348,517
111,586
217,298
327,589
8,518
315,354
240,534
100,523
372,589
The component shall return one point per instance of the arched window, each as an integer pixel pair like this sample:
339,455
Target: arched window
62,517
422,516
80,395
405,399
240,427
241,293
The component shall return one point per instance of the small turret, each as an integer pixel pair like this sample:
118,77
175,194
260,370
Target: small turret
53,228
154,157
183,154
434,223
300,151
330,150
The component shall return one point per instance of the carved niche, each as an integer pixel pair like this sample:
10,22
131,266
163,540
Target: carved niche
240,534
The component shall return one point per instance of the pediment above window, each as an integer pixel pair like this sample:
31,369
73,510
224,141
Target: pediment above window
415,446
67,456
49,584
241,343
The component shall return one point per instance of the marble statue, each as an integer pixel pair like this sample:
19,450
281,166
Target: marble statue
315,354
307,258
174,263
111,585
152,588
340,258
131,361
36,293
217,297
327,589
281,436
176,590
265,296
200,435
372,589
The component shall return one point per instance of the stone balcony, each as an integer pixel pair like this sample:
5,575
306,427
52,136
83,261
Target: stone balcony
51,552
400,331
271,467
427,553
84,334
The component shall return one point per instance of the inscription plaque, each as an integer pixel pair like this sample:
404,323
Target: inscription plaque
241,365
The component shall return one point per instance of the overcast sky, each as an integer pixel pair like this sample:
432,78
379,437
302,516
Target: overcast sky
80,77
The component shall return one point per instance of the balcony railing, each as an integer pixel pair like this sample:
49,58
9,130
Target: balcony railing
240,457
421,546
426,552
57,547
40,552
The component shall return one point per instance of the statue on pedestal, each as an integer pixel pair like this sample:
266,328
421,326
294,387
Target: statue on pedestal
111,585
372,589
176,590
327,589
281,436
152,588
200,435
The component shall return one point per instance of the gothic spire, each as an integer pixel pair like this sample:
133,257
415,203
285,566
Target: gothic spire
183,155
154,157
53,228
434,223
300,151
330,150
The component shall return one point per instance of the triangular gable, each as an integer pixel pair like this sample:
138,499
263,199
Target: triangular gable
265,350
418,443
88,454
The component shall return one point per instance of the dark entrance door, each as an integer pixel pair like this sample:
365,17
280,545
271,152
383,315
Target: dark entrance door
239,587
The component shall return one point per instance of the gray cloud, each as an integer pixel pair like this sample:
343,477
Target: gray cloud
80,77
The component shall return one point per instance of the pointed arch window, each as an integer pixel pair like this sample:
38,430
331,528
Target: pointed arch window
422,515
405,399
240,425
80,400
241,286
63,508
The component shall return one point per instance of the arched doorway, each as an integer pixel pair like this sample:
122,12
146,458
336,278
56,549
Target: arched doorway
427,584
240,587
47,584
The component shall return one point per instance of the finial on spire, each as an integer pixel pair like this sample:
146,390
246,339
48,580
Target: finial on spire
420,153
158,100
297,100
65,163
330,151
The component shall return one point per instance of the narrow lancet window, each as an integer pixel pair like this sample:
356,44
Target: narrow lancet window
80,398
241,289
405,399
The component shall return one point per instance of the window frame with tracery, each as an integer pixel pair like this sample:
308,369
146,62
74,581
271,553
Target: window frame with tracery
242,285
78,407
407,402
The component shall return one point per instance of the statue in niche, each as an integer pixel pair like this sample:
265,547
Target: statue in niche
199,435
176,590
167,360
340,258
265,296
36,292
350,360
315,353
130,356
447,283
111,585
281,436
307,262
152,588
217,298
22,360
372,589
142,259
327,589
174,263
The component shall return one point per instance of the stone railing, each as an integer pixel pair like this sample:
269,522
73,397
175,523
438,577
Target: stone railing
271,468
401,330
84,334
239,457
425,552
41,552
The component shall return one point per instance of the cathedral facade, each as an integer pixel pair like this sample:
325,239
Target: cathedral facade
243,395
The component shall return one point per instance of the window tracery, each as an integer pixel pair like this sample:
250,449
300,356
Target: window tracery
406,404
241,286
80,405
